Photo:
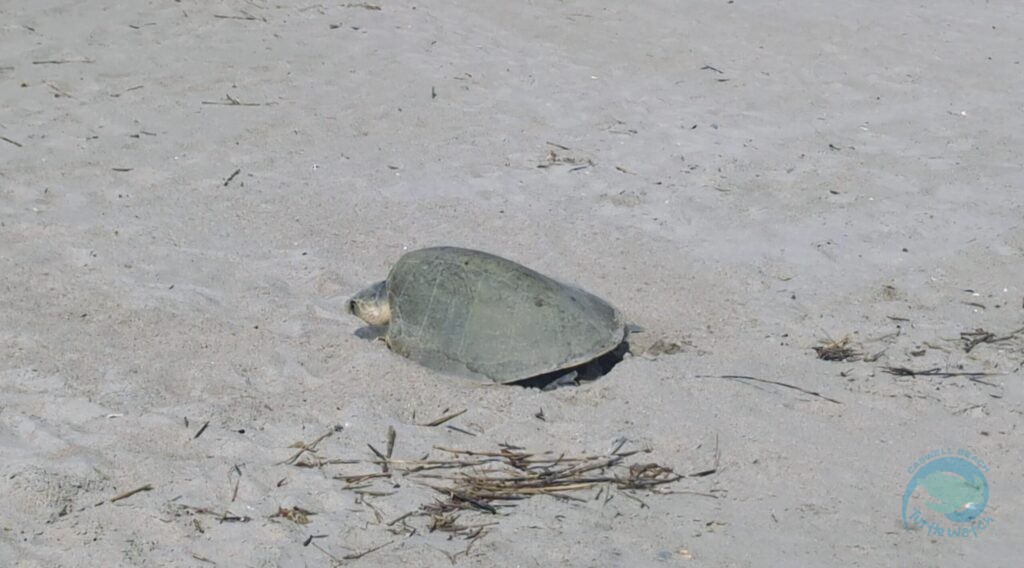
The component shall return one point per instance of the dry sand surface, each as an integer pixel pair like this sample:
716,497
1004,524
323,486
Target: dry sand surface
190,191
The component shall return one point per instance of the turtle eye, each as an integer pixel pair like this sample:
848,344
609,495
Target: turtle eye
351,306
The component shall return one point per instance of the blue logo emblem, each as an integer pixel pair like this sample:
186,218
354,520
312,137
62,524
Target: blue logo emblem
950,485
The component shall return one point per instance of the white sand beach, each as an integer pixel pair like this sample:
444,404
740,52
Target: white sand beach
190,192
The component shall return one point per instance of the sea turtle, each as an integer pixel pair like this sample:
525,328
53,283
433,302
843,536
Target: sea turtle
475,314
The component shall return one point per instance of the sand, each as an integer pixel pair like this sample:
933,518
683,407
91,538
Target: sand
189,191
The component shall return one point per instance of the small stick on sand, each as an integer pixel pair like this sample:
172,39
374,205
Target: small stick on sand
935,372
391,441
384,460
232,176
303,447
311,537
460,430
128,90
402,518
63,61
201,429
359,555
770,382
245,17
127,494
231,101
445,418
337,561
234,492
714,469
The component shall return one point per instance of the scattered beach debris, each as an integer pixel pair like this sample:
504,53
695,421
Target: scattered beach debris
470,483
297,515
554,158
309,448
225,516
972,376
841,350
485,480
975,338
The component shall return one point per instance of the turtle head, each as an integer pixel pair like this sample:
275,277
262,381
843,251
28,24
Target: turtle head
371,305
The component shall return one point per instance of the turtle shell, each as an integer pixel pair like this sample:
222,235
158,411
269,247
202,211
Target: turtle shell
471,313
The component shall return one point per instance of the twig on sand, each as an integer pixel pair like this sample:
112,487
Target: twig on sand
128,90
245,16
770,382
975,338
63,61
358,555
311,448
460,430
310,538
201,429
231,177
401,518
445,418
384,460
231,101
454,557
58,92
937,372
714,469
223,517
238,481
391,442
334,559
127,494
359,478
9,141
